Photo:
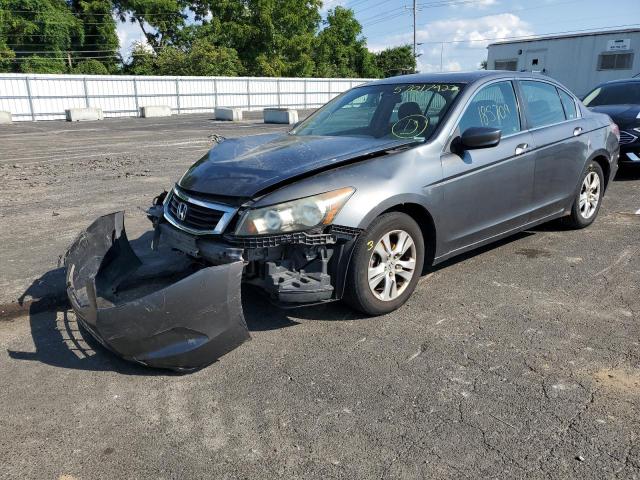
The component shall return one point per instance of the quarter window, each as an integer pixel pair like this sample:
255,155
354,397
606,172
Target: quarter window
543,104
493,106
568,104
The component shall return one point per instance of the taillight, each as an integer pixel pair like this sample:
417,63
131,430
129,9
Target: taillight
616,130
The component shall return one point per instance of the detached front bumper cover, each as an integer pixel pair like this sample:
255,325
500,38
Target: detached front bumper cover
152,312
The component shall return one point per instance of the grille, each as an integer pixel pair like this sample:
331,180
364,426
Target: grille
626,137
197,217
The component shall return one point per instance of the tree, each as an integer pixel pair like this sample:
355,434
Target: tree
159,20
46,28
205,59
90,67
142,61
271,37
38,64
171,61
396,61
99,32
483,65
340,47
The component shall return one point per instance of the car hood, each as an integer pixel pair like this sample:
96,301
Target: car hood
245,166
621,114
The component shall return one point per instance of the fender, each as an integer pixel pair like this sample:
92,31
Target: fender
602,152
342,267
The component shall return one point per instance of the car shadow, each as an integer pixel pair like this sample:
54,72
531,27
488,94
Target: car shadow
628,173
60,341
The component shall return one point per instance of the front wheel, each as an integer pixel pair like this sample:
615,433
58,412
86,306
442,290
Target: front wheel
587,202
386,264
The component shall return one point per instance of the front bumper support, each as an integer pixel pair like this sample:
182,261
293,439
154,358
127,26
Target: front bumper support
155,312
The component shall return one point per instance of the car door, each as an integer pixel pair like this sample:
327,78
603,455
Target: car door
488,191
561,147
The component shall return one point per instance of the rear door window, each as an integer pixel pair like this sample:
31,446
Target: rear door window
494,106
543,103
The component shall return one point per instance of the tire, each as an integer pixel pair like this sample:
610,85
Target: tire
587,201
367,260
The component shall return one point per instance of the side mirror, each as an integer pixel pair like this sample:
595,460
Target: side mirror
480,137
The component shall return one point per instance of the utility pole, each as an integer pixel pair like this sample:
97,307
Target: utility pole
414,27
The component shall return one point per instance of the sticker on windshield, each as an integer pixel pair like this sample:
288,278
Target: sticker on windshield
426,87
411,126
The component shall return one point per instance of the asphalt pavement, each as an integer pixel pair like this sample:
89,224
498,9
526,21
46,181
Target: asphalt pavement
519,360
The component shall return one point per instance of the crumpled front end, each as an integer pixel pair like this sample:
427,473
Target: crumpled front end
165,311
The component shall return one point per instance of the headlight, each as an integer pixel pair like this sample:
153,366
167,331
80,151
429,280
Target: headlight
637,129
295,215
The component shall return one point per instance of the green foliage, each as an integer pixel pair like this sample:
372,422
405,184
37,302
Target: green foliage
41,26
99,32
205,59
37,64
159,20
90,67
7,57
396,61
142,61
228,37
171,61
340,47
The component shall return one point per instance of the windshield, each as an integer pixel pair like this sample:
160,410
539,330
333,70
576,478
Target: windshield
615,94
409,111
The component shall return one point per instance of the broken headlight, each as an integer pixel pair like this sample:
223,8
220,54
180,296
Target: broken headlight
296,215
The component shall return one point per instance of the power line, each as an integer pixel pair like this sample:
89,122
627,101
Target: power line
65,51
515,11
384,19
378,15
534,36
88,14
22,59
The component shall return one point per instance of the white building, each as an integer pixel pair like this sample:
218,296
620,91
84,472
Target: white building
580,61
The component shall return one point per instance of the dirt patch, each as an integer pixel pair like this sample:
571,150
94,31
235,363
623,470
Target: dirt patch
627,381
533,253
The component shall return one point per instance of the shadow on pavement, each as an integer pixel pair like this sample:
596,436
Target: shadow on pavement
628,173
59,340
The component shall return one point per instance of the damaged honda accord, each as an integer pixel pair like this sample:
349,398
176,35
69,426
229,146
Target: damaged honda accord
353,203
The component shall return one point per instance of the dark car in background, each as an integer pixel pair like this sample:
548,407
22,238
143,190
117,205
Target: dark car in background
620,99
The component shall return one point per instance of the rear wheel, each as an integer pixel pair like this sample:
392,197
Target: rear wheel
588,198
386,264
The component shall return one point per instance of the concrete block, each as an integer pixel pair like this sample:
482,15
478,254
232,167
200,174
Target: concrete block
151,111
231,114
5,117
83,114
280,115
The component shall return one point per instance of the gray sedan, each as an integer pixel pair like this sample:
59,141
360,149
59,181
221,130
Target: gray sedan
353,203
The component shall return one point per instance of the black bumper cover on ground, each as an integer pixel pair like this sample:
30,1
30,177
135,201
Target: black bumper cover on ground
180,320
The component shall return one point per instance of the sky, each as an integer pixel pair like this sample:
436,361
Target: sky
454,33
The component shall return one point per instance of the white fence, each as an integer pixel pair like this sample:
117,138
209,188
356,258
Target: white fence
46,97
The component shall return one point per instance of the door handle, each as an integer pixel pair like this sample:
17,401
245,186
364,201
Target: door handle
577,131
523,147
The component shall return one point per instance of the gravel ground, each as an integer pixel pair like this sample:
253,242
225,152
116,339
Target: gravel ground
519,360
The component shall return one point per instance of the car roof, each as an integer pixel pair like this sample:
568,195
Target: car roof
457,77
620,81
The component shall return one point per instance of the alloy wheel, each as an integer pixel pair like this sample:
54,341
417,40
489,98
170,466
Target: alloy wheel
589,195
392,265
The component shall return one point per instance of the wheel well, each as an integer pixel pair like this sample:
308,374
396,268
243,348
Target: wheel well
425,221
606,169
